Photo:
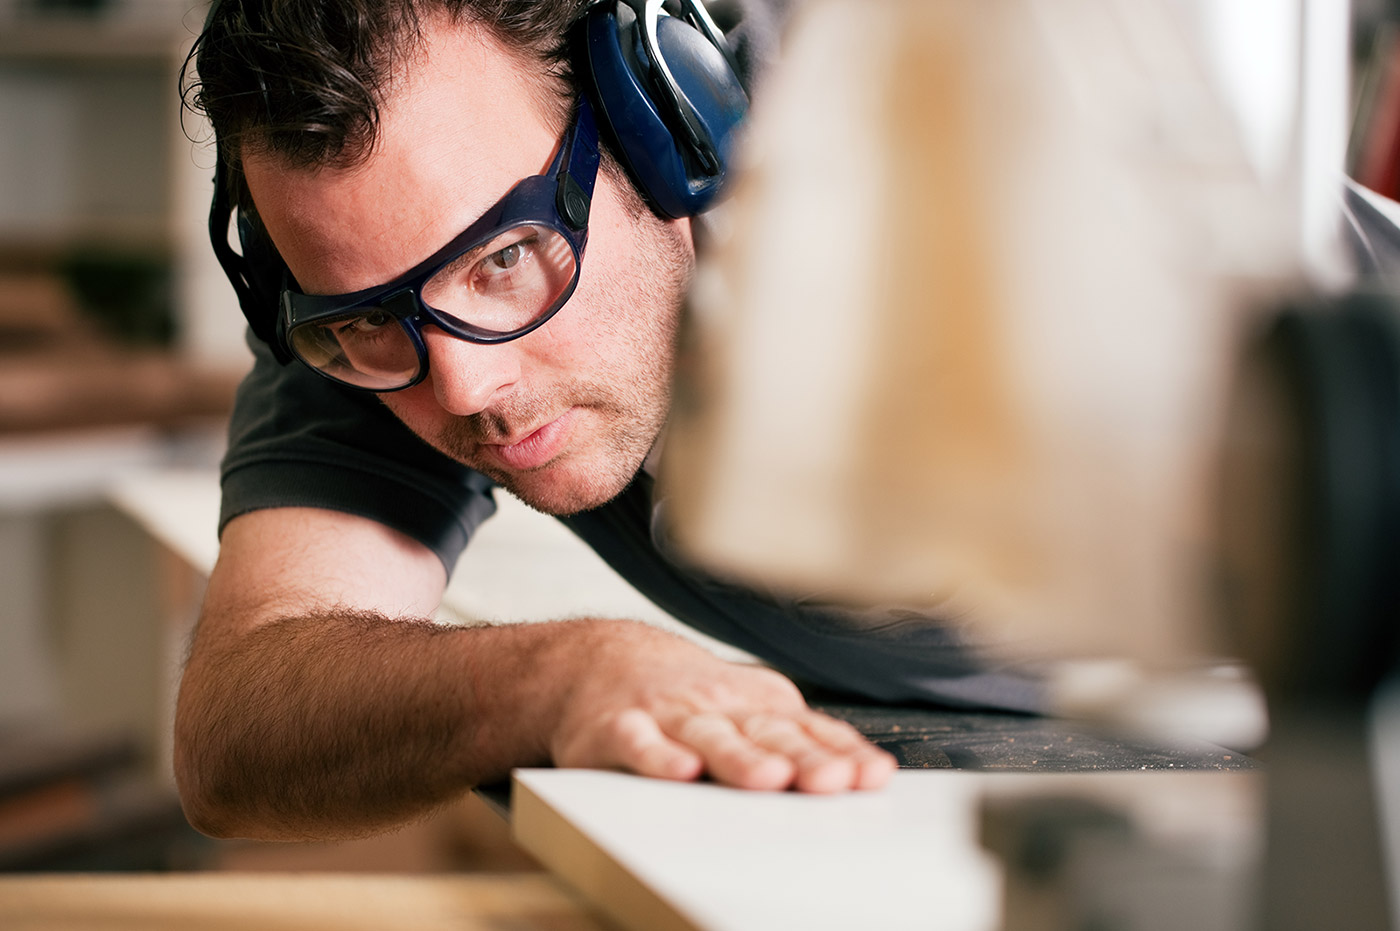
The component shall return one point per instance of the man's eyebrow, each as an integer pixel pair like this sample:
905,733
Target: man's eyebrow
469,255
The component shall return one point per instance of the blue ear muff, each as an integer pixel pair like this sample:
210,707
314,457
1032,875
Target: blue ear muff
668,98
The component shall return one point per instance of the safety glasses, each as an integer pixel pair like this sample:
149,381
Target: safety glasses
501,278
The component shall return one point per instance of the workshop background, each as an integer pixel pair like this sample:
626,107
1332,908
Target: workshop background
120,347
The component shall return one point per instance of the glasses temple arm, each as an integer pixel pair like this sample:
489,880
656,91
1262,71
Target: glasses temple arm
580,157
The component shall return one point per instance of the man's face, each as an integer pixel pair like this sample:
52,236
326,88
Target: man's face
564,416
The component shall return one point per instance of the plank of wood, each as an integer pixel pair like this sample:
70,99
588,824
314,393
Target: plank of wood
656,855
664,855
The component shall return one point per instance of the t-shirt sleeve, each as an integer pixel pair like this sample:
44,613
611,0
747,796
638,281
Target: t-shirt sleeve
299,440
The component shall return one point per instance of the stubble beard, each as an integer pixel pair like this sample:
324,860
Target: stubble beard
612,434
618,416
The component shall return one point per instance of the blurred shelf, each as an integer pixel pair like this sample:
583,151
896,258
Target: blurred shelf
94,42
41,246
66,388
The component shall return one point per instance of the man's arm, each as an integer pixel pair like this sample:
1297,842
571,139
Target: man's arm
317,703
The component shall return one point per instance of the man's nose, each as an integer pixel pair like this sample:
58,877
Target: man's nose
467,377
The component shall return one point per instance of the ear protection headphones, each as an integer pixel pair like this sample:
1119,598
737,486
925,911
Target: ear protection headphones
665,87
667,90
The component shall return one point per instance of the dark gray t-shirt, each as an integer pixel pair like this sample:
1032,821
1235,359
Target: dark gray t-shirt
296,439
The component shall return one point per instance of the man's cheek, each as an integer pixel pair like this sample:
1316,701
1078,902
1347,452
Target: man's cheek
416,409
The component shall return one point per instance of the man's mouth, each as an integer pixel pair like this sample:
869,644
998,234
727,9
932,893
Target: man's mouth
534,449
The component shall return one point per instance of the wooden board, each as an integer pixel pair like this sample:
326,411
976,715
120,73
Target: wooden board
657,855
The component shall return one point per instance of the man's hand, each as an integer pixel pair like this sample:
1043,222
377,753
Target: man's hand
656,705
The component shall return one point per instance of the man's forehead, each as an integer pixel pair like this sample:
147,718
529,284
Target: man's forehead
462,122
456,72
461,72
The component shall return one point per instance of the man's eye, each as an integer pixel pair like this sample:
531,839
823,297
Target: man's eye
365,323
509,259
508,265
504,260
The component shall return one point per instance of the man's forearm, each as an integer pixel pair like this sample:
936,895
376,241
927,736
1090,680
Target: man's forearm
337,726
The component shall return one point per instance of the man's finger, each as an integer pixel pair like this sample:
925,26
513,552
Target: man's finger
632,740
730,756
873,766
834,732
820,767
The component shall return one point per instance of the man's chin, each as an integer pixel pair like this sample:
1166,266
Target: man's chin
562,495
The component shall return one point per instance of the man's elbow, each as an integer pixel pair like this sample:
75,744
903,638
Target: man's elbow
211,768
198,781
207,818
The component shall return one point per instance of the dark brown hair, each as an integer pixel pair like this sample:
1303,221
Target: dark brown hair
304,79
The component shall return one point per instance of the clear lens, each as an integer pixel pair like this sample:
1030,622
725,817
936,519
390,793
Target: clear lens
507,283
368,349
500,287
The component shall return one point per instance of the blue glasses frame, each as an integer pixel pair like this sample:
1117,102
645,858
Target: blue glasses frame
559,199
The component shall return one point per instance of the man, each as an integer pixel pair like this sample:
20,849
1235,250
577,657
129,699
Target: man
316,701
